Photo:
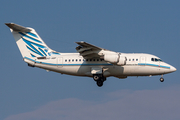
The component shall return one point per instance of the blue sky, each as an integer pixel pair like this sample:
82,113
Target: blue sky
124,26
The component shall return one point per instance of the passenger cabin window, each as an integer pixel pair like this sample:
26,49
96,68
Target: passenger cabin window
134,59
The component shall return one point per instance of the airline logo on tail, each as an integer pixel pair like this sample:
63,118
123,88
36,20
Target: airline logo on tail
29,42
35,45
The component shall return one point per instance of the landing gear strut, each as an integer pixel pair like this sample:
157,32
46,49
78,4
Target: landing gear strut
99,78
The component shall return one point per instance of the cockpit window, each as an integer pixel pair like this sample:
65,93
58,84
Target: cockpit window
160,60
155,59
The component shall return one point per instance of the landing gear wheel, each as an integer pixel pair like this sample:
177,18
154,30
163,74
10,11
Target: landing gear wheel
162,79
96,77
99,83
99,78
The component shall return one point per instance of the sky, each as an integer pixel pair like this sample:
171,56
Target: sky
119,25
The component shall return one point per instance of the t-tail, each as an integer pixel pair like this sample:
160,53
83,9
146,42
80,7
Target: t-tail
29,42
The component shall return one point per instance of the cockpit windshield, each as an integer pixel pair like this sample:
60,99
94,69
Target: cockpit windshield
156,59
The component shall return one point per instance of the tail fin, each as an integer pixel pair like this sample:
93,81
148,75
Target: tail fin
29,42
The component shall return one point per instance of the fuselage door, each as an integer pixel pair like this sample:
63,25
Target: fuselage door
143,60
60,62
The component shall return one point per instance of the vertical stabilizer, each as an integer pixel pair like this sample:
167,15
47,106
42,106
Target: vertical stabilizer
29,42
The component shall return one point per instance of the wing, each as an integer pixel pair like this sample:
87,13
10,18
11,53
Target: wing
90,51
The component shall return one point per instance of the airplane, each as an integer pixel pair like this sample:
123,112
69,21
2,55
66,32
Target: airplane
89,61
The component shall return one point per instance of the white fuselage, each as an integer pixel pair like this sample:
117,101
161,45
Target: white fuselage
74,64
90,61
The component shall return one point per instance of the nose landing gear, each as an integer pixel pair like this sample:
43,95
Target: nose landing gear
162,79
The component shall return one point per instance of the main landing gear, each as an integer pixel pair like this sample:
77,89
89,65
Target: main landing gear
162,79
99,78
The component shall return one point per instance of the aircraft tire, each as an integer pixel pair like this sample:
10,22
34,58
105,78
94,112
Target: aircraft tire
99,83
162,79
96,77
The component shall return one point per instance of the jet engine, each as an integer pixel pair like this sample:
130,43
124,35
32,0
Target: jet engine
115,59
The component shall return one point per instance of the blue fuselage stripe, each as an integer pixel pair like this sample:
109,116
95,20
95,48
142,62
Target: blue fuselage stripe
90,64
154,65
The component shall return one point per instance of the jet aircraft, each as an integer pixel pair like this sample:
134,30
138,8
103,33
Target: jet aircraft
90,61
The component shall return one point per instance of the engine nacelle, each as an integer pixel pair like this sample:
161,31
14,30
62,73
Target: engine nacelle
112,58
122,60
115,59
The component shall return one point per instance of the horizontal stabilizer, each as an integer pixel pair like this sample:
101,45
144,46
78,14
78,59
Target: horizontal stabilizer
17,28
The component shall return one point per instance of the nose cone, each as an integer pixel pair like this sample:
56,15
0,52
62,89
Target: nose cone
172,69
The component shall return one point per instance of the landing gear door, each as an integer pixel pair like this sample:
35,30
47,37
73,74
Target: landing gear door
60,62
96,70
